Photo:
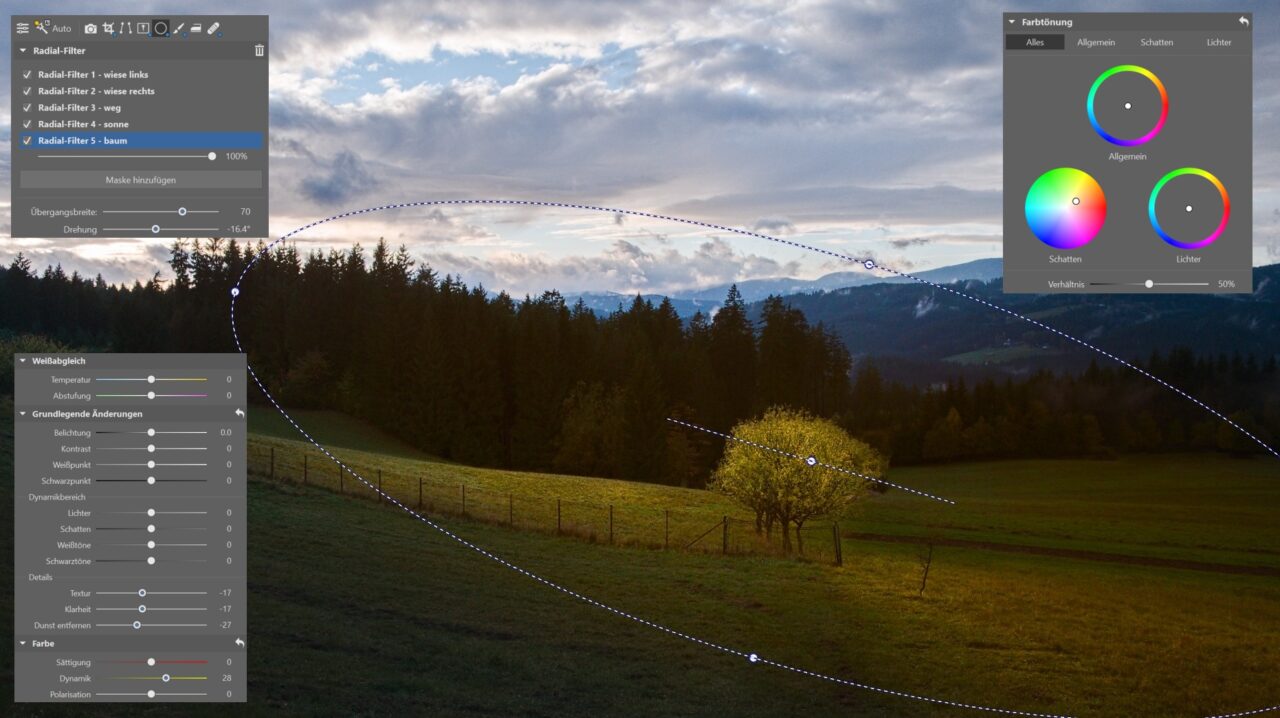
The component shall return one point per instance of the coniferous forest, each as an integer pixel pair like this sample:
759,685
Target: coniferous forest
535,383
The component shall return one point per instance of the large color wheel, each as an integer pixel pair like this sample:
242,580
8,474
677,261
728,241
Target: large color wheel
1066,208
1226,208
1164,105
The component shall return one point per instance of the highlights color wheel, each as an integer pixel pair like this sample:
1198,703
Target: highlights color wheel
1164,105
1066,208
1226,208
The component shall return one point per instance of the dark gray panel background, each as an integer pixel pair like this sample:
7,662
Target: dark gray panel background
1209,126
203,84
39,526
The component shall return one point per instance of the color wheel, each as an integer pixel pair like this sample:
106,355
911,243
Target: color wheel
1226,208
1164,105
1066,208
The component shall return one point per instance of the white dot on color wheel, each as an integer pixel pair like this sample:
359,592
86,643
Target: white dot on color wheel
1128,105
1075,200
151,661
1150,284
1188,208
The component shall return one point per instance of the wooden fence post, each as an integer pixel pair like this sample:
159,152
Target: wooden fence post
835,536
379,485
724,548
273,463
419,493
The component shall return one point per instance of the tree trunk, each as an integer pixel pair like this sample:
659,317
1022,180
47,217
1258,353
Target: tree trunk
759,522
799,537
786,536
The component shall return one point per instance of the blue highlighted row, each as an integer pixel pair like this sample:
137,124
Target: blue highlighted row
141,140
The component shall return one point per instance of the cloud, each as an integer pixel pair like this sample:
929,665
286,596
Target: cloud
943,238
788,117
340,179
940,204
910,242
774,225
623,267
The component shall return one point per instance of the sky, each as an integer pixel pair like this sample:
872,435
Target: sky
867,127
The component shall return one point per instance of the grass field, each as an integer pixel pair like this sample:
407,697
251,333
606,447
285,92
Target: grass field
1198,507
357,609
330,428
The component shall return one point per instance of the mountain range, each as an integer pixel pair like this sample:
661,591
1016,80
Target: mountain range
688,303
920,333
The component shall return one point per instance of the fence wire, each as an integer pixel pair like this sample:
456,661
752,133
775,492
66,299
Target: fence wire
632,525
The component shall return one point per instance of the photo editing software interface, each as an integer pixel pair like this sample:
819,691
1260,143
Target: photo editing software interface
129,469
1128,152
871,388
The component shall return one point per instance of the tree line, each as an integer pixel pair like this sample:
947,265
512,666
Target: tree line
538,384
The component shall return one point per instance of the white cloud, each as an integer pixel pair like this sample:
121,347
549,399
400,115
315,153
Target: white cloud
819,118
623,267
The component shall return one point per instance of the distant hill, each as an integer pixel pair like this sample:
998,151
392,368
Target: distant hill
924,333
754,290
918,333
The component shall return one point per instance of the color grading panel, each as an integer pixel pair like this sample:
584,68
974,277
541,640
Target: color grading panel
129,528
1128,152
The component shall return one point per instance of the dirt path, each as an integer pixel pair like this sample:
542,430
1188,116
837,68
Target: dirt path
1073,553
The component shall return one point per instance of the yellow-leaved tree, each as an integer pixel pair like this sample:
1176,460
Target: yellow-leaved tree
788,491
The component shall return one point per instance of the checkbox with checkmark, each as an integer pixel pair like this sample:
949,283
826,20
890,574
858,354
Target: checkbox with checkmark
26,140
26,124
26,90
26,75
26,107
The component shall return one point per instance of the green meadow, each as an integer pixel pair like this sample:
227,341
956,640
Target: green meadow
361,609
